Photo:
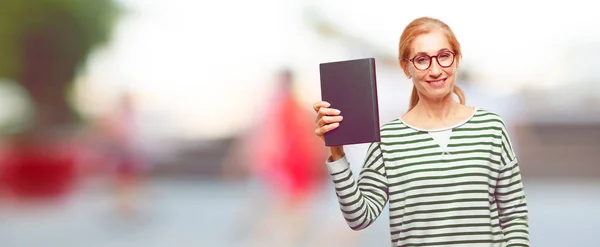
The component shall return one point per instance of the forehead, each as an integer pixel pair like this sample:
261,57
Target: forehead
430,43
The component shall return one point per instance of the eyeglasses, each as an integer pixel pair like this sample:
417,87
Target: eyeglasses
422,62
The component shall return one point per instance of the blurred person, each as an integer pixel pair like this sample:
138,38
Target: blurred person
448,170
123,153
282,159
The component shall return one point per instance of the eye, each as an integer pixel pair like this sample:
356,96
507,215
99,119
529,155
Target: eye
422,60
445,56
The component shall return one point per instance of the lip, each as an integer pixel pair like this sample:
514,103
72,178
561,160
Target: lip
437,84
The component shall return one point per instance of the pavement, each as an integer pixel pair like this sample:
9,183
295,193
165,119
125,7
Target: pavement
206,213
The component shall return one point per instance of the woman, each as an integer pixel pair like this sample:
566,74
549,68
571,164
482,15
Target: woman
285,169
448,170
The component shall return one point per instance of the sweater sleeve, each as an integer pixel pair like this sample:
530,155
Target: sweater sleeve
361,202
510,197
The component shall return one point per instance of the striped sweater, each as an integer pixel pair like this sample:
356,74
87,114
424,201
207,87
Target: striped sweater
468,193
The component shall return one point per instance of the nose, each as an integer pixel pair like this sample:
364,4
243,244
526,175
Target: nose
435,70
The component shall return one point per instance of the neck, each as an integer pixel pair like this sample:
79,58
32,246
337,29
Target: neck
436,109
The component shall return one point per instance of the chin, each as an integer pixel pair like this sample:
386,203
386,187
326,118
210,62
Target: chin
441,96
439,93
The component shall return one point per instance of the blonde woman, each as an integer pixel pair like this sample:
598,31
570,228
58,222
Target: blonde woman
447,170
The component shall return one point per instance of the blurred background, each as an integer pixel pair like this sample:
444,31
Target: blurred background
189,123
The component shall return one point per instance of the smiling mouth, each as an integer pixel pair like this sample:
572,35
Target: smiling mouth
437,82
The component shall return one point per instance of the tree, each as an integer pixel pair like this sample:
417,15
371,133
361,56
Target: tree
44,44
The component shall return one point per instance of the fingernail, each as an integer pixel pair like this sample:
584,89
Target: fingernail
341,117
338,111
327,104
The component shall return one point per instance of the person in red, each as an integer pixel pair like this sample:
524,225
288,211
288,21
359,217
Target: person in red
281,154
290,157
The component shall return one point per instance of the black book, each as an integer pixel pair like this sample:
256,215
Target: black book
351,87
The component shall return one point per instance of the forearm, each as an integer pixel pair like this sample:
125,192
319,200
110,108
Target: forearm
360,202
337,152
516,231
512,205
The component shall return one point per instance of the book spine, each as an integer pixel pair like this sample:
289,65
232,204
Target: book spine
374,92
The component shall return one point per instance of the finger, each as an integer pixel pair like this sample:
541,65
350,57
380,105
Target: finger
321,131
329,120
329,112
320,104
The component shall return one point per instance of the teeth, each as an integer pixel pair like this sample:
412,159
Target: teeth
437,83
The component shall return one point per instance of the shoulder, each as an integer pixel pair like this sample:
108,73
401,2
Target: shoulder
396,129
395,133
395,124
488,118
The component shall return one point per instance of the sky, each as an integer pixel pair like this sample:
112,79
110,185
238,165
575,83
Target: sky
204,69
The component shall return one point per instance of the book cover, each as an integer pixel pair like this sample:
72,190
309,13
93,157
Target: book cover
351,87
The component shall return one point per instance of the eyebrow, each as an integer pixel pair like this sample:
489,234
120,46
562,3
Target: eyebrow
424,53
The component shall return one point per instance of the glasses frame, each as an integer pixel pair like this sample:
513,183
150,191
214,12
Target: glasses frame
412,60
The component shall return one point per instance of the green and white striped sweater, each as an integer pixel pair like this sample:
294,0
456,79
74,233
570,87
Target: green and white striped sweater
468,193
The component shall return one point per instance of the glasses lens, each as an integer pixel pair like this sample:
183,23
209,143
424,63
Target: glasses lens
422,62
445,58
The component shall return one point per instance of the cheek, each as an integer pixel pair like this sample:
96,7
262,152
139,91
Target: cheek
419,76
451,72
414,74
415,81
418,79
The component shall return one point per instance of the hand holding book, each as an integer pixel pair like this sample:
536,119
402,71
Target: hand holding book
328,119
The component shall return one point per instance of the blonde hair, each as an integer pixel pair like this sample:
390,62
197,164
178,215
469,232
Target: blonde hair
418,27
